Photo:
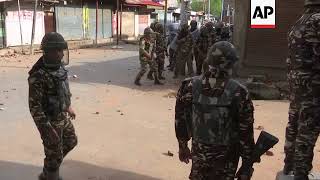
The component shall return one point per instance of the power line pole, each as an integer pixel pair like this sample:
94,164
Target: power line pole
21,38
209,6
165,16
33,25
222,7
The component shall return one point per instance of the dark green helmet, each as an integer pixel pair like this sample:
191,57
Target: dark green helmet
311,2
194,24
222,56
204,31
153,25
185,27
53,40
148,31
159,28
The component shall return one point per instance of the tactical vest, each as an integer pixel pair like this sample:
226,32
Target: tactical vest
58,92
213,120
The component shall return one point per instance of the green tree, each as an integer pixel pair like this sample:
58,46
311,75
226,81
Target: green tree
215,6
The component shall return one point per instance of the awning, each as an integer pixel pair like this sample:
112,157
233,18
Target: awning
148,3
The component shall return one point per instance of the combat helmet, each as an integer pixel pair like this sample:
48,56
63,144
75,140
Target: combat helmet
220,58
204,31
53,40
311,2
159,28
184,27
147,31
193,25
153,25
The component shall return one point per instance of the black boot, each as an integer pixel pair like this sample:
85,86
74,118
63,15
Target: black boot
53,175
288,170
156,80
149,76
160,76
42,176
137,80
301,177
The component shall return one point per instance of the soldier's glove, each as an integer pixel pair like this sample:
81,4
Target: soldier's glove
184,153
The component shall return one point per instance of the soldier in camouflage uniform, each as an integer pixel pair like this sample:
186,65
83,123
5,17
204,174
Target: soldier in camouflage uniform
146,56
195,32
50,104
219,32
217,113
184,52
304,79
212,37
161,49
202,46
153,25
172,46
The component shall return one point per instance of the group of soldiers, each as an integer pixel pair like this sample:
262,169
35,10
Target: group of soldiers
182,45
212,110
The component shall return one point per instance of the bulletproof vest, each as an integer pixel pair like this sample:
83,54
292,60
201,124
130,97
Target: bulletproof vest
301,42
213,120
58,92
148,44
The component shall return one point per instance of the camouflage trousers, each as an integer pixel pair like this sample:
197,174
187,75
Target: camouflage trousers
172,59
301,133
144,66
183,59
199,62
55,152
213,162
160,62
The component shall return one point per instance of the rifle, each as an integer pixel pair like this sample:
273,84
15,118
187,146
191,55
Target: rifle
265,142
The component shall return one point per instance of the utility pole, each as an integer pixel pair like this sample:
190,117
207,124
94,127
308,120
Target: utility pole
222,7
118,22
97,17
33,25
21,38
165,16
184,12
209,6
117,46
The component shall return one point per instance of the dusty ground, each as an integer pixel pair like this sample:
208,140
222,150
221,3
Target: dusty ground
128,137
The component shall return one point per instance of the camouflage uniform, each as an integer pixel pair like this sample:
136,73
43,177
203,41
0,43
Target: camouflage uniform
172,46
216,148
160,49
212,34
184,52
202,46
146,48
49,99
195,33
304,79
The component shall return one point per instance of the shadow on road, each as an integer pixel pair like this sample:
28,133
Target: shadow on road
119,72
71,170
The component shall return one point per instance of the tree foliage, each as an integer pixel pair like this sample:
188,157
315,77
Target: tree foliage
215,6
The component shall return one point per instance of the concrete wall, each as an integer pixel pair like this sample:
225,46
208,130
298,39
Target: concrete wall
241,24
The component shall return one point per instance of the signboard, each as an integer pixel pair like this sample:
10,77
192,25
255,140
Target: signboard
263,14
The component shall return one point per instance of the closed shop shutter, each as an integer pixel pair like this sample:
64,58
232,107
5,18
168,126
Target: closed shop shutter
128,24
106,27
268,47
69,21
13,29
143,23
